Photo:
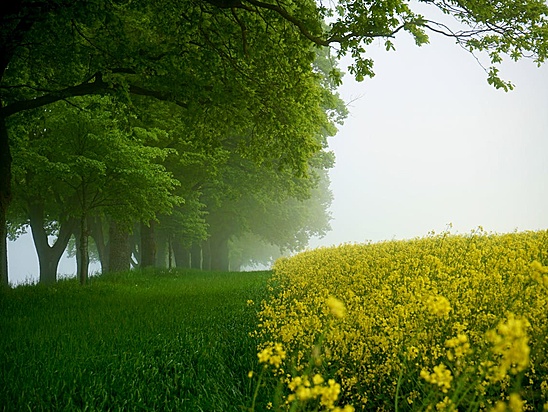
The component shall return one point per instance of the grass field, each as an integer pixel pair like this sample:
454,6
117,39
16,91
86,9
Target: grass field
134,341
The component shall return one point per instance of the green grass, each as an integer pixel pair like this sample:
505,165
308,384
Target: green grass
133,341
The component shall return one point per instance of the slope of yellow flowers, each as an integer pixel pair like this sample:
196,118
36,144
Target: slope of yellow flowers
446,322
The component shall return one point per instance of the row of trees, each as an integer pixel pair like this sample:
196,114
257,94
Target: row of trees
197,121
148,194
193,138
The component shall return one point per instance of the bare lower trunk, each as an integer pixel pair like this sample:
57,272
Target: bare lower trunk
181,255
162,251
169,253
196,256
48,256
148,245
4,281
5,198
219,252
83,266
135,247
119,248
206,255
97,234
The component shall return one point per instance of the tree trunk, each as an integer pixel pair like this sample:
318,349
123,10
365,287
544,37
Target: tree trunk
196,256
135,247
5,198
97,234
83,263
219,252
181,254
162,251
48,256
4,280
169,252
206,255
119,250
148,245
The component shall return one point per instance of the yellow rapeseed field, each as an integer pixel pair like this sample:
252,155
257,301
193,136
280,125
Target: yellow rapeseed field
445,322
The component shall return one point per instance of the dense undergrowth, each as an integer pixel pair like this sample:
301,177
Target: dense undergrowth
165,340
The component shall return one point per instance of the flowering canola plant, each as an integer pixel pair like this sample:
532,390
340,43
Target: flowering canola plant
445,322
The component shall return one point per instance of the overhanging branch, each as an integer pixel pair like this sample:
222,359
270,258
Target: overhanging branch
301,26
137,90
97,86
282,12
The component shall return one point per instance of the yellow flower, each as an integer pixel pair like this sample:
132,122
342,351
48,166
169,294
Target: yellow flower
438,305
402,293
515,403
330,393
412,352
303,393
446,405
511,344
500,406
537,266
336,307
459,345
440,377
544,387
264,355
273,355
317,379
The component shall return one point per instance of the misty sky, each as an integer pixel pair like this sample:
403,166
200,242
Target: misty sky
428,142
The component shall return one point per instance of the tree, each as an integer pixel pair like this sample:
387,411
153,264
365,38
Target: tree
250,251
92,165
229,63
189,54
36,201
269,203
511,28
278,227
193,160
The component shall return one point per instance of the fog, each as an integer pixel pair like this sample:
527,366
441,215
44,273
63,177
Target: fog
427,143
23,262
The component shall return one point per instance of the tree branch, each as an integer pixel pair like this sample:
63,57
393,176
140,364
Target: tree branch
236,4
165,96
446,30
282,12
97,86
243,29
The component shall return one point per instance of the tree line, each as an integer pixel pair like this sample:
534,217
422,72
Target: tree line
188,132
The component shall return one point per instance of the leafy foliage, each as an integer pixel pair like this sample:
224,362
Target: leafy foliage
77,160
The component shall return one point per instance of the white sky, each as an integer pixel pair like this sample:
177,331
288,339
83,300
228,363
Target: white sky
428,142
